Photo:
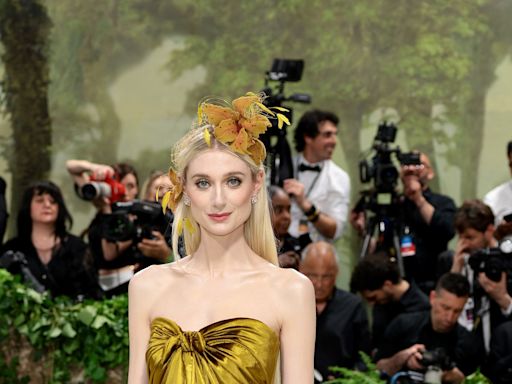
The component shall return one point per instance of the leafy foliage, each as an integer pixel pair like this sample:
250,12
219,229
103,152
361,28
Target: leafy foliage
89,335
370,376
477,378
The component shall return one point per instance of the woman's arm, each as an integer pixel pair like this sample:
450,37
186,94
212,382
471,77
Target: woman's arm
139,327
298,330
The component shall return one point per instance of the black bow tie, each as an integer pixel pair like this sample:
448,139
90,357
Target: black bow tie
305,167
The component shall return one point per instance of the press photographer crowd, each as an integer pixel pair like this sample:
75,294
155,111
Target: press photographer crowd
421,311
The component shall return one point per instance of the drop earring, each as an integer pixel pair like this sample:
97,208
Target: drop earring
186,200
254,199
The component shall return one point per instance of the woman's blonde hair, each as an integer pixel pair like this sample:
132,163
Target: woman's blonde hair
257,229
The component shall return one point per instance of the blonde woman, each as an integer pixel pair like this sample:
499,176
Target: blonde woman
226,313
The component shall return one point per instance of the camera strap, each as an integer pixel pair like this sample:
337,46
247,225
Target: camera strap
300,159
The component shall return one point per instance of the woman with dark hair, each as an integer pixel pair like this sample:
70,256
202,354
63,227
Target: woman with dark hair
55,259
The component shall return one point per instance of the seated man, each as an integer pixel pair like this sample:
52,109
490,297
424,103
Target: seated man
377,279
410,334
342,325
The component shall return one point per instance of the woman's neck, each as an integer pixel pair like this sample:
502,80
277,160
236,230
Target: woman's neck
218,255
43,230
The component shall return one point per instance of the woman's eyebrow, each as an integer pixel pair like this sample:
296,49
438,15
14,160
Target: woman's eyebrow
234,173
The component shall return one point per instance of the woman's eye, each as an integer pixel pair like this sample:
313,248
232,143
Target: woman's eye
202,184
234,182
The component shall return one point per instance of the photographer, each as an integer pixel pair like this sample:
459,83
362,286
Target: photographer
411,334
320,190
289,247
116,261
491,303
44,252
426,216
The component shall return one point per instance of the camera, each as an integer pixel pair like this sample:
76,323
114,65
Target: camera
493,261
295,244
110,188
135,220
382,197
381,167
16,262
437,357
436,361
279,158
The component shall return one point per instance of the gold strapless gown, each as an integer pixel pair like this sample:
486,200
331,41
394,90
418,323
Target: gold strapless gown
238,350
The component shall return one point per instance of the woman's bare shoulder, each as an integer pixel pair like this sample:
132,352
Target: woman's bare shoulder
155,276
292,283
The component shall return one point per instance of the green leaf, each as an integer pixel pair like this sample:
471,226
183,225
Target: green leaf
86,315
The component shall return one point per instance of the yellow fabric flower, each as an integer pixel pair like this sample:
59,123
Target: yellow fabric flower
240,125
173,195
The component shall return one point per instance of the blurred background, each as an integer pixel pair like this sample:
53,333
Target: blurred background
120,81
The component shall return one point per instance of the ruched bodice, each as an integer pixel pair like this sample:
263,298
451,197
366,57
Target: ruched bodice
238,350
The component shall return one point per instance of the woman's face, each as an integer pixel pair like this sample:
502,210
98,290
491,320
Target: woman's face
161,184
281,218
130,185
43,209
220,187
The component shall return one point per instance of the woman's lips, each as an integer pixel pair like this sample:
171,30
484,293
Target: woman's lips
219,216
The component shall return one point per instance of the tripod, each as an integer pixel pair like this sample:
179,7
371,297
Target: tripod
388,238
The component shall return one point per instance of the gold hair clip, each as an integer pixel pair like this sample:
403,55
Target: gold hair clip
239,125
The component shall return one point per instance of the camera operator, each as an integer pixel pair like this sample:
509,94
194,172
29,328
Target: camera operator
3,210
491,303
500,198
116,261
289,247
411,334
321,190
427,216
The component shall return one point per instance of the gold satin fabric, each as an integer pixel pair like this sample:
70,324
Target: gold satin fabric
239,350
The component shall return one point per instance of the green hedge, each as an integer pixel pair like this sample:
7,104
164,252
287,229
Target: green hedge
58,341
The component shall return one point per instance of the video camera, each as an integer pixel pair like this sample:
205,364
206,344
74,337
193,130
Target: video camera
382,170
493,261
279,158
110,188
135,220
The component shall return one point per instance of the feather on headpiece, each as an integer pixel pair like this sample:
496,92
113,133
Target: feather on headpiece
239,125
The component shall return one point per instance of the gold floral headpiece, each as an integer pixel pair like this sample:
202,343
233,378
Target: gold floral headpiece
171,199
239,125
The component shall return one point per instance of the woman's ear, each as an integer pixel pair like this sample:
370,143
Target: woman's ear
258,183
